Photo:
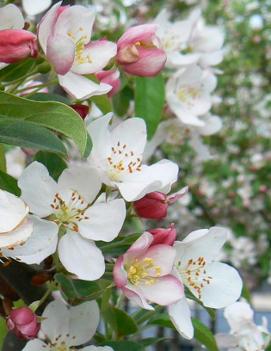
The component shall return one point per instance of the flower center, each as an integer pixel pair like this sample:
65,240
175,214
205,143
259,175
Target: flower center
123,161
80,55
143,271
68,213
61,347
194,275
188,94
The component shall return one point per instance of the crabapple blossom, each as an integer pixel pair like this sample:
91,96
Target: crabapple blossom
70,205
117,155
154,205
188,94
139,51
64,35
15,43
244,335
165,236
23,322
215,284
24,238
33,8
143,273
110,77
65,327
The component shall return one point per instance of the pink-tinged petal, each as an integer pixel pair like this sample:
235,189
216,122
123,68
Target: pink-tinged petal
152,206
144,32
95,57
165,236
17,44
165,291
150,62
140,246
110,77
119,273
163,256
60,52
137,298
80,87
46,25
171,199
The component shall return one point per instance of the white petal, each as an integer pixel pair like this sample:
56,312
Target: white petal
81,257
100,53
41,244
80,87
212,125
11,17
12,211
38,189
131,132
225,286
97,348
180,316
55,324
84,320
46,25
17,236
205,243
36,345
105,220
237,314
81,178
33,8
76,21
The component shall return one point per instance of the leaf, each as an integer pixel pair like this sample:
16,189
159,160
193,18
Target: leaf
2,159
149,101
17,70
9,184
80,289
120,321
124,345
49,97
54,163
103,103
121,101
28,134
118,246
151,341
3,331
204,336
53,115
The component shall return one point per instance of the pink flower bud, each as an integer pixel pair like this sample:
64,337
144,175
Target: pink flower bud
139,51
165,236
152,206
16,45
24,323
82,110
110,77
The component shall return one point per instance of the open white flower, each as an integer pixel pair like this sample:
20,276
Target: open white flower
64,35
65,327
188,94
190,41
22,237
70,204
214,283
117,155
244,335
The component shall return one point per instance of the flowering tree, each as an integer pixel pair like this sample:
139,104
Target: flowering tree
94,109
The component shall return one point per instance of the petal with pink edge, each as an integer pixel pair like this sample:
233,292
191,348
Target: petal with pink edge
165,291
137,298
142,32
119,273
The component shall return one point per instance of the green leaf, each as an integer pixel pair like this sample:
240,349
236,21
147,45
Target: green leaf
49,97
81,289
53,115
17,70
3,331
204,336
103,103
9,184
124,345
28,134
120,321
149,101
119,245
151,341
121,101
2,158
54,163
